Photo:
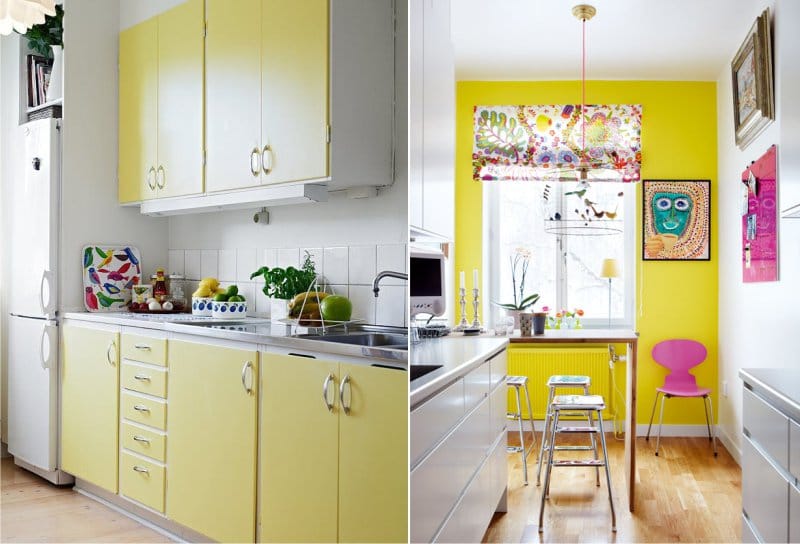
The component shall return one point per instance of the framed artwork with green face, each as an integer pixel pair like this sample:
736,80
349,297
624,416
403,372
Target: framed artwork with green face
676,220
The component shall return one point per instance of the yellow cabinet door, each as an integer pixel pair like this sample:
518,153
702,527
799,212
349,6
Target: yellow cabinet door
294,71
211,442
138,111
180,100
299,440
233,94
89,405
373,455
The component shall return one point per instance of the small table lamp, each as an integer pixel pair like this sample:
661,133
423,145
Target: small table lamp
610,269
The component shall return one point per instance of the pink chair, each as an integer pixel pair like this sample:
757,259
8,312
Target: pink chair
679,356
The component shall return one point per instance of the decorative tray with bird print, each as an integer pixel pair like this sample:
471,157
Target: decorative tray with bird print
109,273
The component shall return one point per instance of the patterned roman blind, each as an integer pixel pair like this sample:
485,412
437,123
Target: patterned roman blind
546,142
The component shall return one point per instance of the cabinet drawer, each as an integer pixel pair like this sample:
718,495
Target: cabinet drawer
499,368
144,441
476,386
152,381
144,410
433,420
765,495
794,449
142,481
144,348
767,427
499,403
794,514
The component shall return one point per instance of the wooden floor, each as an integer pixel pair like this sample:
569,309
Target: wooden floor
683,495
33,510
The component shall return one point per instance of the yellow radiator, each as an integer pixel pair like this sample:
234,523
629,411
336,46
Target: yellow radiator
538,364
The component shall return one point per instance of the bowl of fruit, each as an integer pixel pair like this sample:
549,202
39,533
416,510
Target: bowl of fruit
203,297
228,304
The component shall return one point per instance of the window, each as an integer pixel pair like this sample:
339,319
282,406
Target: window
566,228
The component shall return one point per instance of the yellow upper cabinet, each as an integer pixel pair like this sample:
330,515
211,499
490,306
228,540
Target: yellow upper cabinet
211,443
161,105
267,92
138,111
89,404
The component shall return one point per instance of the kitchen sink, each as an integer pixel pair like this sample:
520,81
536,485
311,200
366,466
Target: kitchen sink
418,371
367,339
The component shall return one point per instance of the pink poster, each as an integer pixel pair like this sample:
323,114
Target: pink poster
760,219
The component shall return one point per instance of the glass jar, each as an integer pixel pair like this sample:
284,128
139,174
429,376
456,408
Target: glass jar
177,293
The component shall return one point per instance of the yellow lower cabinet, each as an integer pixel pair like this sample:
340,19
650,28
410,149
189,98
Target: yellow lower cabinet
299,457
211,451
373,455
141,480
89,406
143,410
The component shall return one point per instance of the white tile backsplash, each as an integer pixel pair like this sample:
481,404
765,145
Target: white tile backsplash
392,257
227,265
175,261
349,271
245,264
286,257
192,269
335,265
362,265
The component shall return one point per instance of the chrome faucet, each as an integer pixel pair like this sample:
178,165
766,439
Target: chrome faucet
385,273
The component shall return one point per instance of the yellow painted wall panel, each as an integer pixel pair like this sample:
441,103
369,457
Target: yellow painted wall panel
679,141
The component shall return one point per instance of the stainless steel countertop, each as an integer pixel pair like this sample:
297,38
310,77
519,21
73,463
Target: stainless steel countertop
781,386
255,331
457,354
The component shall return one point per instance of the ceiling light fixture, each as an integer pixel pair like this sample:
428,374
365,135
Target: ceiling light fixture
583,12
20,15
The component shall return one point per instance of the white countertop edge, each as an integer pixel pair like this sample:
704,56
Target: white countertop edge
114,318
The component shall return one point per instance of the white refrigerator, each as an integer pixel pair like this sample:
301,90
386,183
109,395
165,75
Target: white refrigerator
33,339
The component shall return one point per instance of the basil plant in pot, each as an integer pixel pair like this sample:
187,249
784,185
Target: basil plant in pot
520,261
281,285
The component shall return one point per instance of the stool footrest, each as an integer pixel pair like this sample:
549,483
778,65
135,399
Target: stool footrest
573,448
579,463
577,429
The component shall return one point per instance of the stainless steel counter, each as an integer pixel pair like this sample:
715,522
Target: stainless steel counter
252,330
780,385
455,354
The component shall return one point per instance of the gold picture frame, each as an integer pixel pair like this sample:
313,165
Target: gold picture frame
751,69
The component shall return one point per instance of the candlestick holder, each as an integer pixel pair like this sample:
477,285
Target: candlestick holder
463,324
476,323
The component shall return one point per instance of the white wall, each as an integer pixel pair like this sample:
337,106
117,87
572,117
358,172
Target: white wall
758,321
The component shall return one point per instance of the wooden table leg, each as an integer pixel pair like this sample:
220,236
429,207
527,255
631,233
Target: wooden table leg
630,427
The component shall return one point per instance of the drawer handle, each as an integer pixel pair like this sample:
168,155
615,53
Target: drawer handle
266,159
345,383
254,162
111,347
248,388
325,388
142,378
141,439
141,470
141,408
142,346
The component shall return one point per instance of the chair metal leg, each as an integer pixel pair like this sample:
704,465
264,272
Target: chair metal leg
655,402
545,434
660,422
594,448
546,490
608,473
521,437
530,419
712,429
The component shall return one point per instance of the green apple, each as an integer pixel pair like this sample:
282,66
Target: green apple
336,308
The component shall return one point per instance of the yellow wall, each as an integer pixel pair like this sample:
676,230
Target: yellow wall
679,141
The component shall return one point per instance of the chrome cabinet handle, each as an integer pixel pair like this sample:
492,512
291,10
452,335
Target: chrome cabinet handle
266,153
144,347
151,182
345,382
325,388
141,439
142,470
141,378
248,389
112,345
163,177
255,167
141,408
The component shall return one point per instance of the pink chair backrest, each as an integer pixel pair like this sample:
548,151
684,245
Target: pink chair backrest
679,356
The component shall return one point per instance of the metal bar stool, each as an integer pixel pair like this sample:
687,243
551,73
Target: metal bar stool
591,405
516,382
553,383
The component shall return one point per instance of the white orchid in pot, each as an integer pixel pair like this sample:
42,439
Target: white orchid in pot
520,261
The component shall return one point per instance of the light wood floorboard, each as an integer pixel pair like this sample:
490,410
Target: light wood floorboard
683,495
33,510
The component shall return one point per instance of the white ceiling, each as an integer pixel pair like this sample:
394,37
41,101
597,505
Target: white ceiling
627,39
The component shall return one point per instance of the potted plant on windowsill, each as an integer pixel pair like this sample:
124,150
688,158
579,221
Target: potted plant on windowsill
520,261
281,285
